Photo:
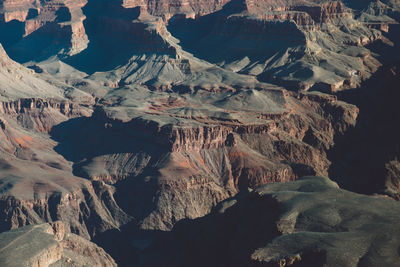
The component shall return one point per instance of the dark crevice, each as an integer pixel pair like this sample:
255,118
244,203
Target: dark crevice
359,157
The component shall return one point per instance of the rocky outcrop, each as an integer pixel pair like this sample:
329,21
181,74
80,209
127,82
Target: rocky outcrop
295,59
147,26
17,82
326,11
78,251
319,12
307,222
171,8
49,245
42,114
60,21
372,168
43,249
37,185
88,211
203,159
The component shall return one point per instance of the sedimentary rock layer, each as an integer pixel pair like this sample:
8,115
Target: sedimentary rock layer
45,245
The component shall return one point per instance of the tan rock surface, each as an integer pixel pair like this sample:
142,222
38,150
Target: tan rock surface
45,245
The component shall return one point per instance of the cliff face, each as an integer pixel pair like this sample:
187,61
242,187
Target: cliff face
45,245
278,43
155,168
296,61
37,184
60,23
88,211
309,222
189,167
381,168
168,9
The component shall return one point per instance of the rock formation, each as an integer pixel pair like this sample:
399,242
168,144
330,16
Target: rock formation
210,155
309,222
137,114
45,245
39,28
374,168
37,184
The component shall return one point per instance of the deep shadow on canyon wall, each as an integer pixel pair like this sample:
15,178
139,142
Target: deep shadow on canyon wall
366,159
224,240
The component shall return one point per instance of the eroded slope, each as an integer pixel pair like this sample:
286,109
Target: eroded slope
309,222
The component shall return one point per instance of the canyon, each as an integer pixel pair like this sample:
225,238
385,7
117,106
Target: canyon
123,121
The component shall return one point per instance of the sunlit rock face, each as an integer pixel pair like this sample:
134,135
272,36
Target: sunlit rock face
49,245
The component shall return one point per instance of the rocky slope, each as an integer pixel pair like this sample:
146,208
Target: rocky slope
309,222
378,172
297,44
41,28
207,157
49,245
37,184
325,49
168,147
